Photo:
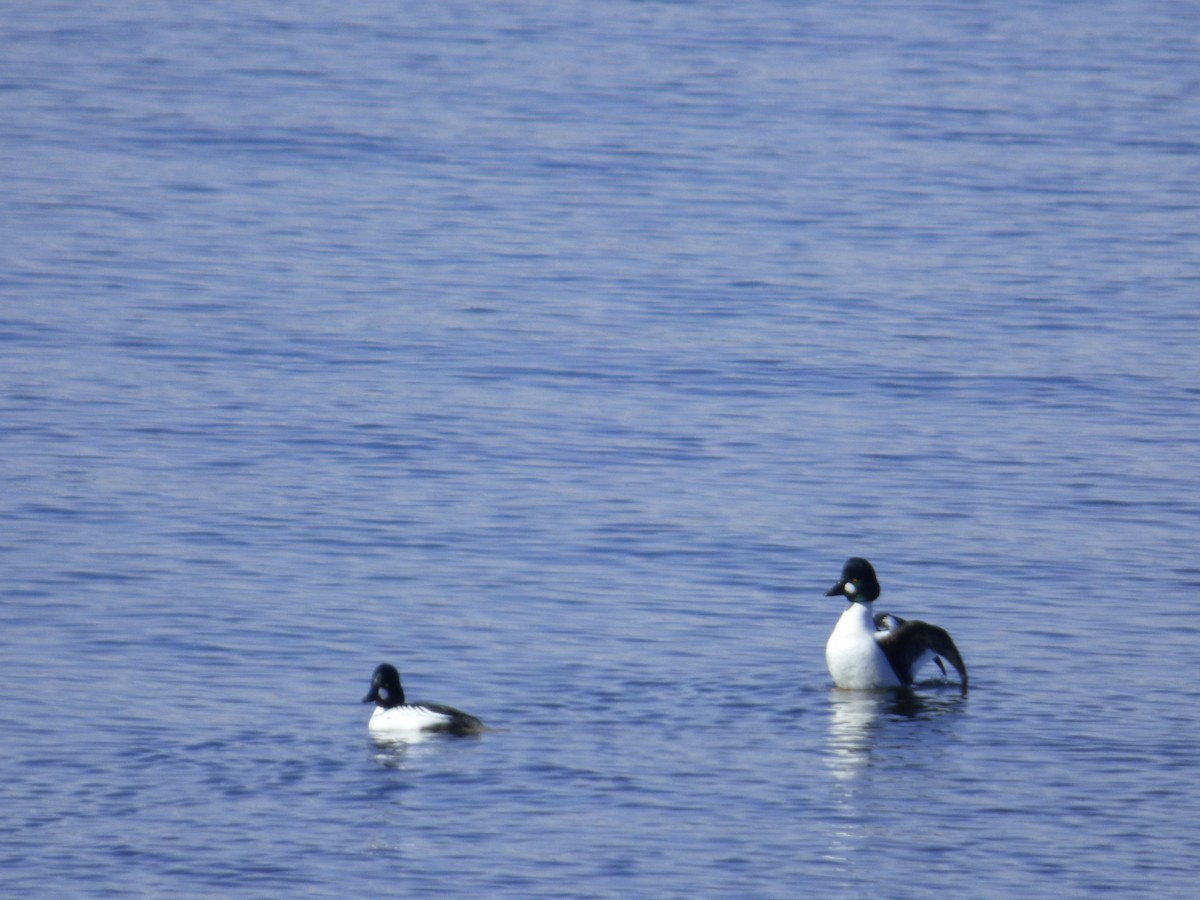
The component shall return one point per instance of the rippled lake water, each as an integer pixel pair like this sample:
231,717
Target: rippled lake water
560,354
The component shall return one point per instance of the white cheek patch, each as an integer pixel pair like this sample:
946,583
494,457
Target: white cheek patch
851,589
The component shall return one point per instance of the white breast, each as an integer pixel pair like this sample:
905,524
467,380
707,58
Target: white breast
853,655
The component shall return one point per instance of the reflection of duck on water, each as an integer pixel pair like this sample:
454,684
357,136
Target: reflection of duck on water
883,651
860,720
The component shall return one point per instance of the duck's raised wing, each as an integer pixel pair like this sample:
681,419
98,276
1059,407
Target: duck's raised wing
910,644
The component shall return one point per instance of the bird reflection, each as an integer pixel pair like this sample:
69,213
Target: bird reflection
397,752
860,719
872,734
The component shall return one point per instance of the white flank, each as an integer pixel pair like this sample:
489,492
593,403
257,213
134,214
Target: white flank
405,719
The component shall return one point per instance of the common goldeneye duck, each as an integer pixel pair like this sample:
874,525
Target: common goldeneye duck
393,716
866,651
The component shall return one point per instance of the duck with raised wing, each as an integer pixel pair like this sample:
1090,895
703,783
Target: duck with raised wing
881,651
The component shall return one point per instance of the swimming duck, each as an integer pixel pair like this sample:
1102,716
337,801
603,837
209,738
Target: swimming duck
393,716
866,651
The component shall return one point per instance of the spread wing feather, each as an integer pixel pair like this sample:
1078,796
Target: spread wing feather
908,644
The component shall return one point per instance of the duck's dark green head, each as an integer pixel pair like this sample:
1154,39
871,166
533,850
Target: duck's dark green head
858,584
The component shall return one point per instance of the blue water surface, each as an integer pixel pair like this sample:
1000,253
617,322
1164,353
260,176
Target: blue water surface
560,353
